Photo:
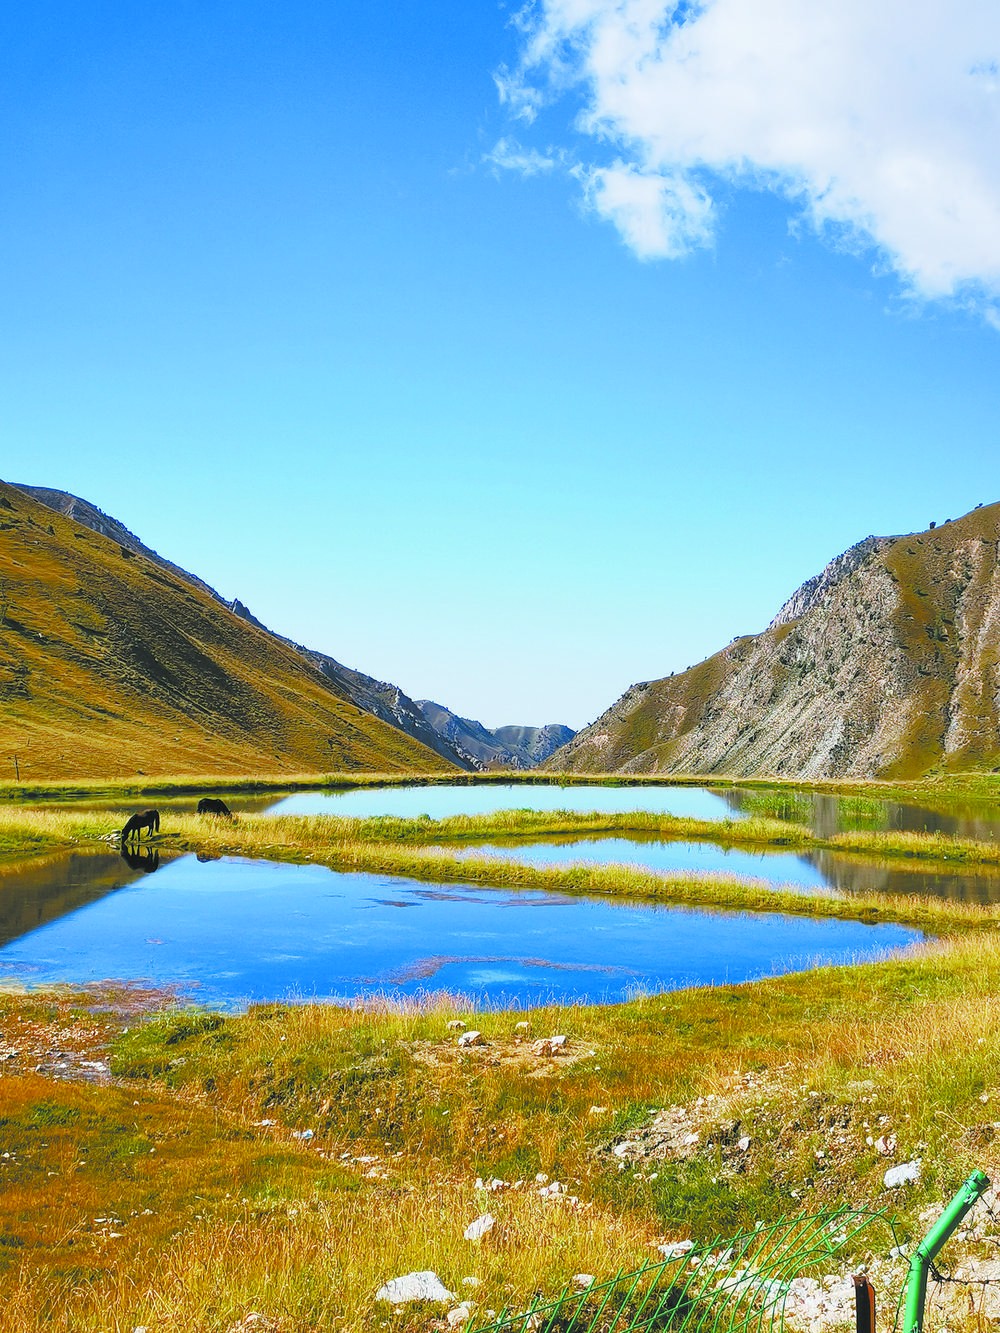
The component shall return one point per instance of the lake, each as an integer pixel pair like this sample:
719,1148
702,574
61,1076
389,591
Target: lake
230,931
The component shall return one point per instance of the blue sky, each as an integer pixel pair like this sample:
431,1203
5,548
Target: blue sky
458,349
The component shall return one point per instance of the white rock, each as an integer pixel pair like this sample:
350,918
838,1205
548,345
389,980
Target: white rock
522,1027
548,1045
675,1248
460,1315
744,1143
456,1025
583,1280
472,1038
477,1230
908,1173
471,1282
424,1286
886,1144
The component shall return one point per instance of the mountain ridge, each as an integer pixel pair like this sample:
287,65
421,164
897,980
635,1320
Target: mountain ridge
885,665
115,665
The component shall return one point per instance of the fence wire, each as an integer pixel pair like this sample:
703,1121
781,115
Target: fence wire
735,1285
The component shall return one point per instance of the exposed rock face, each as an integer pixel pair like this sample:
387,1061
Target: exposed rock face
380,698
505,747
885,665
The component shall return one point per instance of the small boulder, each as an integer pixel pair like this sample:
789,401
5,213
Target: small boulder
460,1315
423,1286
908,1173
548,1045
456,1025
477,1230
472,1038
583,1280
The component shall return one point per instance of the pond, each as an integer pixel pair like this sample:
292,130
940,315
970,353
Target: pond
809,872
442,801
230,931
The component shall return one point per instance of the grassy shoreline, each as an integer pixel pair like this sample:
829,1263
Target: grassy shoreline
419,849
984,786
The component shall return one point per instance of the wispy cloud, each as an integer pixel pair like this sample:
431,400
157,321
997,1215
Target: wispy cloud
509,155
880,121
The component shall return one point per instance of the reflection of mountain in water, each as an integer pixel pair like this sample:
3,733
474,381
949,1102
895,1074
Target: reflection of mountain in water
35,892
827,815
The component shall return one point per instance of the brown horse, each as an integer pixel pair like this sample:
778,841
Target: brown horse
145,819
211,805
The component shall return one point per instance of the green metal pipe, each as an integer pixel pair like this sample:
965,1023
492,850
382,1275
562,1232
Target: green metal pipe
929,1248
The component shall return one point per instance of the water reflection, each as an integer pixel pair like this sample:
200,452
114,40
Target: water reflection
43,889
229,931
143,859
807,872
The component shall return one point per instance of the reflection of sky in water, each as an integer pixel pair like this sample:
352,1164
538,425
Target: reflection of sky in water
442,801
237,930
778,868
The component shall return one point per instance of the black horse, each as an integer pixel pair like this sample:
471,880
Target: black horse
211,805
145,819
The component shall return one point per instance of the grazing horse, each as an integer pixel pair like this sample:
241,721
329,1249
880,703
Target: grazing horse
211,805
145,819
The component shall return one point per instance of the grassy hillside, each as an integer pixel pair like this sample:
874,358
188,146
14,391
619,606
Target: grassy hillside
891,671
111,666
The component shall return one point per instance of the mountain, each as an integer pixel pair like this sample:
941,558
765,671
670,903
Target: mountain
113,662
885,665
504,747
380,698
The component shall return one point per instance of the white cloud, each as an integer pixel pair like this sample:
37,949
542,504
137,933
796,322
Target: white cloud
881,120
509,155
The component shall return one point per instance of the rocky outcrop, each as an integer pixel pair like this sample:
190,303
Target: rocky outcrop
504,747
885,665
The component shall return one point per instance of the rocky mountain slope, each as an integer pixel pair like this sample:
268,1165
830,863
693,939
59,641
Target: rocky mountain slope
502,747
380,698
113,663
885,665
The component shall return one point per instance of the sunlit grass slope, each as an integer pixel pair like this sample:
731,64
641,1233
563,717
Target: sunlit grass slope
111,666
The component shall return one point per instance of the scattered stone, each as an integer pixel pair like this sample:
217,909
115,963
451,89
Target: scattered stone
255,1322
886,1144
906,1174
548,1045
744,1143
674,1249
477,1230
598,1110
455,1025
471,1282
302,1134
522,1027
583,1280
423,1286
460,1315
472,1038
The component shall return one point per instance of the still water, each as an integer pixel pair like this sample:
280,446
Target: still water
230,931
808,872
440,802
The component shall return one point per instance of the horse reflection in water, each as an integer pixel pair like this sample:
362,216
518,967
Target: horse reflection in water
146,859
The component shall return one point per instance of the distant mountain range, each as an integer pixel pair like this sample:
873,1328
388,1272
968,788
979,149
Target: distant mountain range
504,747
517,747
887,664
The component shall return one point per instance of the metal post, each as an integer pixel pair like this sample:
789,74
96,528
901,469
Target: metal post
929,1248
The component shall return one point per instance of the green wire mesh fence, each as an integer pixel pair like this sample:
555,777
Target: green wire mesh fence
734,1285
